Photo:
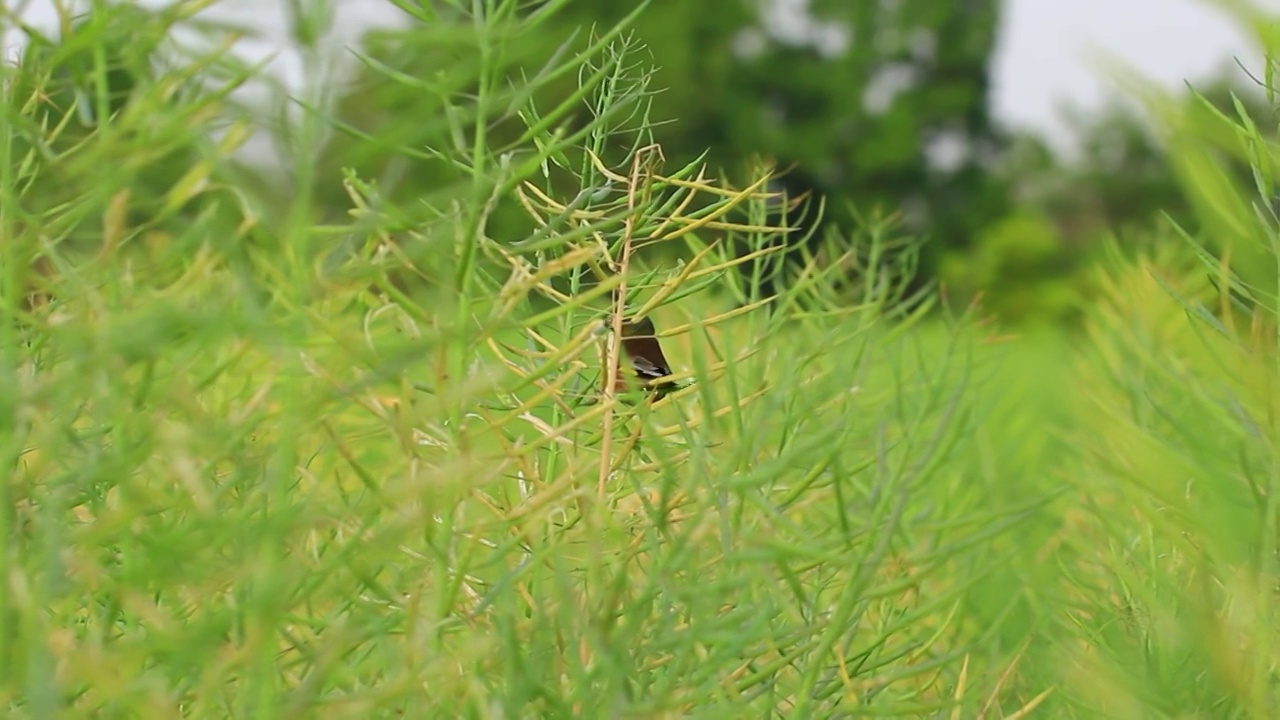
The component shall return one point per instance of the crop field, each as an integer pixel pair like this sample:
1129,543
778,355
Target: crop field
284,443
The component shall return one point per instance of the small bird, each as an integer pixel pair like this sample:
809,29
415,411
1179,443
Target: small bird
650,366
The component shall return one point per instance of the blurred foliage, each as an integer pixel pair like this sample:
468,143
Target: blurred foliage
876,106
335,497
1122,181
1023,263
1221,152
854,94
338,497
118,138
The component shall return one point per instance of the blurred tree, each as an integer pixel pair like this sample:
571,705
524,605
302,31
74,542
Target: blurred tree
876,104
1119,185
1122,177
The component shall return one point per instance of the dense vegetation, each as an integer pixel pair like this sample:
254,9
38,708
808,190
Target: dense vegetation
328,439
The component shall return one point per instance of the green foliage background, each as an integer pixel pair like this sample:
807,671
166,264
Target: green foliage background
327,439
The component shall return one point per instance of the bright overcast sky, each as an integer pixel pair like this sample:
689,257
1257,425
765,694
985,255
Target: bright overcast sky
1048,51
1046,54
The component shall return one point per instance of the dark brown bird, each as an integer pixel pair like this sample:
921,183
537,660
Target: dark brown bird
643,353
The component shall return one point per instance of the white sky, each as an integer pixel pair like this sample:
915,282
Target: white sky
1049,50
1046,55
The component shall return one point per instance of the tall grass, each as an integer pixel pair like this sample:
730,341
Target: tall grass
268,455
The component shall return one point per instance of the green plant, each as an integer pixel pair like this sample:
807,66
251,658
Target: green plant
1021,267
1169,562
301,462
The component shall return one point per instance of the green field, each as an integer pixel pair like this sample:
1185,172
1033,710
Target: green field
268,456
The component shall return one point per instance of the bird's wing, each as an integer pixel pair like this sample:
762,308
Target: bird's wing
646,369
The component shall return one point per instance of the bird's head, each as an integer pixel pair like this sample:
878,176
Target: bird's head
638,327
